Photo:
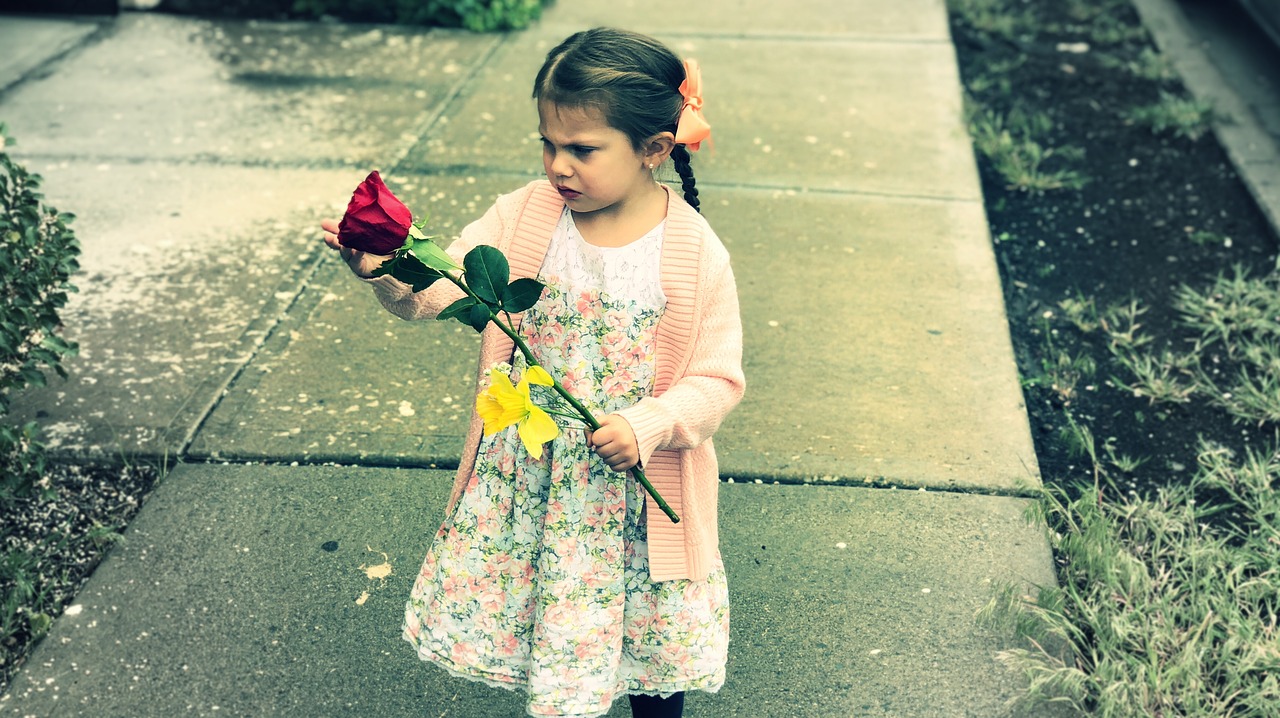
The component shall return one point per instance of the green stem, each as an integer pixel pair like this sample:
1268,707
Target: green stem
555,384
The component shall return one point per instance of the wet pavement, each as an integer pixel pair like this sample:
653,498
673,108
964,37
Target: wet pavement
264,590
199,156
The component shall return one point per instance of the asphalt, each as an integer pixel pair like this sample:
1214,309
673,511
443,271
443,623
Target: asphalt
876,474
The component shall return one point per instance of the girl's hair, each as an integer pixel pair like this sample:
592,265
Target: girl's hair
631,78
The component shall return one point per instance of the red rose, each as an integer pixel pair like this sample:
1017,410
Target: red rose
376,221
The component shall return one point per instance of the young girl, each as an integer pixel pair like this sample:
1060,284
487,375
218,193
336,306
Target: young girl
558,575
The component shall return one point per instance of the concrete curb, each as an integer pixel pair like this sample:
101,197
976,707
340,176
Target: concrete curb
1252,150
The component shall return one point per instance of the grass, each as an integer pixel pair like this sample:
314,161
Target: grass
1167,604
1009,142
1160,379
1235,319
994,17
1179,116
1164,608
1148,65
1060,371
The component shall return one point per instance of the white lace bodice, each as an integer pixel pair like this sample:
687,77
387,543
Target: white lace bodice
628,273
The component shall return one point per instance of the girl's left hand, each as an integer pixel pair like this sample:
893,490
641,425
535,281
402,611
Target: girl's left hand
615,442
362,263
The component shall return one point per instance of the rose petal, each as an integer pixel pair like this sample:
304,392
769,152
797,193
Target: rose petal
376,221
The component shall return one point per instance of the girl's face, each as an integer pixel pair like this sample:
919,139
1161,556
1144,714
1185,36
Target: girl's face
592,165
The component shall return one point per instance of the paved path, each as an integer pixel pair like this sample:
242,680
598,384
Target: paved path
879,461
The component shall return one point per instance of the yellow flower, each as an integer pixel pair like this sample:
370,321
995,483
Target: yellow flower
502,405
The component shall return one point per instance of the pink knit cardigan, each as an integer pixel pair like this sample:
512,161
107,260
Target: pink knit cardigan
698,362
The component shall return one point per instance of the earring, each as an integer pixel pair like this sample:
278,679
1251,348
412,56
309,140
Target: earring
650,165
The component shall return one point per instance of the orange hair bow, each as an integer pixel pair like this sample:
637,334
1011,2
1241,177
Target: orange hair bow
692,128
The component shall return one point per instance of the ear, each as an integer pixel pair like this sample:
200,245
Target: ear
658,148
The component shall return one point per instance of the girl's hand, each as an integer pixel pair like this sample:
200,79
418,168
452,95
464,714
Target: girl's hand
362,263
615,442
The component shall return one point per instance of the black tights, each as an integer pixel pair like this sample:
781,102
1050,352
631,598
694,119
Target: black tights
656,707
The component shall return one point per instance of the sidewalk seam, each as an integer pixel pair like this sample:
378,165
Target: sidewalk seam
450,98
251,341
72,47
256,338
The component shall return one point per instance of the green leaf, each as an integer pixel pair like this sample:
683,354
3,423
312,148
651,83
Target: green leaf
487,272
386,267
413,272
521,294
416,232
460,310
34,377
430,254
479,316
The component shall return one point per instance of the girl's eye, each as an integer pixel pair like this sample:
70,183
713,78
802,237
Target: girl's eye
578,150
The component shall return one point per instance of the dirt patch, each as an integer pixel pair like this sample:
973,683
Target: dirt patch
52,543
1161,207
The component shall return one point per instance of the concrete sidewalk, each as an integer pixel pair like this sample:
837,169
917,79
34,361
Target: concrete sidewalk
199,155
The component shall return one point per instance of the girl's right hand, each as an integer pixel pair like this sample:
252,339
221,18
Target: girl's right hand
362,263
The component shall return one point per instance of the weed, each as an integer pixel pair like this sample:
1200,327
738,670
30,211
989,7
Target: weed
994,17
997,76
1235,305
1241,315
21,581
1009,141
1124,463
1155,378
1188,118
1201,238
1149,65
1120,322
1059,370
102,536
1253,397
1103,22
1109,32
1079,441
1161,611
1081,312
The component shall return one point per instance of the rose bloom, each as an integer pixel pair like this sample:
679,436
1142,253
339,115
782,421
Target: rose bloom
376,221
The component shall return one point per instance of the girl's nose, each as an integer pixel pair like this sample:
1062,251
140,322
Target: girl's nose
560,166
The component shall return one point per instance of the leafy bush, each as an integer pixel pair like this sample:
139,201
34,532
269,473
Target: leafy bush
476,15
37,257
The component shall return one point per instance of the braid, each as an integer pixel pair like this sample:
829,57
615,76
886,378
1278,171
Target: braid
680,157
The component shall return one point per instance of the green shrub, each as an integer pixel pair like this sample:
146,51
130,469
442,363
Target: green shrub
37,258
476,15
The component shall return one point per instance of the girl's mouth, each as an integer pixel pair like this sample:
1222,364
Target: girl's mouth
568,193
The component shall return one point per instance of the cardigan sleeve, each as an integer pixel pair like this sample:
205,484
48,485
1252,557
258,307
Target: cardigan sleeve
692,408
400,299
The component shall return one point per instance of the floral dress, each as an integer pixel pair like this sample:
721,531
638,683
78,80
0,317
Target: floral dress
540,578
